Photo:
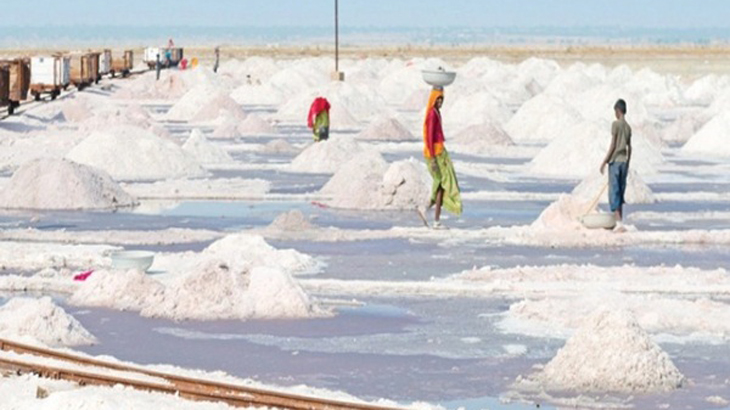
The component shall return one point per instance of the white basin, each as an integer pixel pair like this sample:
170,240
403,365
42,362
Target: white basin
438,78
140,260
598,221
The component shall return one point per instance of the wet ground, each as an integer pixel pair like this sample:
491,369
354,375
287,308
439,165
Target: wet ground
441,350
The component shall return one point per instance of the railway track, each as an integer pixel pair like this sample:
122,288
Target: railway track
186,387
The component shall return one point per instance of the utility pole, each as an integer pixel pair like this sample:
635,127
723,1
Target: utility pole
337,75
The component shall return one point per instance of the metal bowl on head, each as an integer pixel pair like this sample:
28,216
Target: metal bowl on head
140,260
598,221
438,78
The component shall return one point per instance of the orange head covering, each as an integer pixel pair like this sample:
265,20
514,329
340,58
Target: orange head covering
435,94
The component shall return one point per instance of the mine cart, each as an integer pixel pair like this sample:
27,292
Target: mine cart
49,74
123,65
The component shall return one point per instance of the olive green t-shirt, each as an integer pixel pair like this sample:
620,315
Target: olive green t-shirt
622,131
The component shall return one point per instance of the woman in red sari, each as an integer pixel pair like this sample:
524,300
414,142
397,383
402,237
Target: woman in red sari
445,189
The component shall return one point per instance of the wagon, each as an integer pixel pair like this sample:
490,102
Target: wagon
123,65
19,81
169,57
94,67
49,74
5,88
105,62
81,70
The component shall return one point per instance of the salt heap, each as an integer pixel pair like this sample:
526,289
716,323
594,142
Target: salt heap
204,151
293,220
611,353
204,102
481,138
131,153
562,215
279,146
637,191
580,148
61,184
367,182
43,321
326,157
75,109
227,129
712,138
542,118
171,85
255,125
386,128
474,109
123,290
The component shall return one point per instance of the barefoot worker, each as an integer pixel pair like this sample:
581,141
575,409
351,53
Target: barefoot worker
319,119
445,188
618,158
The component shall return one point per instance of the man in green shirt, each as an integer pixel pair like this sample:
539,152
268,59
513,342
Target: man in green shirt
617,159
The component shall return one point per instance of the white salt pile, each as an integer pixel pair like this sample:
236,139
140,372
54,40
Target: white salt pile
326,157
171,85
481,138
474,109
611,353
61,184
542,118
204,151
711,139
75,109
132,153
279,146
682,129
123,290
637,191
133,114
204,102
291,221
237,277
227,129
580,149
258,94
563,214
42,320
255,125
367,182
388,129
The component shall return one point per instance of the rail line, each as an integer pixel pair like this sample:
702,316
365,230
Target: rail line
186,387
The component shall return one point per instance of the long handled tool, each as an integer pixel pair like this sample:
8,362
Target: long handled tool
595,201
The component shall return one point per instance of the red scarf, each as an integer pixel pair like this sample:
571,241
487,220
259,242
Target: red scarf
318,105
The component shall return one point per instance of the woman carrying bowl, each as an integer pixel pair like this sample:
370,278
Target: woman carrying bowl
445,189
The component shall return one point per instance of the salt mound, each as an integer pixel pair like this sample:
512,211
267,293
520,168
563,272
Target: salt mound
474,109
227,129
42,320
357,181
75,109
386,128
326,157
637,191
216,290
250,251
682,129
340,117
204,151
255,125
482,138
132,153
50,183
711,139
253,94
204,103
579,150
132,114
611,353
279,146
367,182
562,215
542,118
123,290
293,220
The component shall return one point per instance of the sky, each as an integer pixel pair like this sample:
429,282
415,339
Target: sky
674,14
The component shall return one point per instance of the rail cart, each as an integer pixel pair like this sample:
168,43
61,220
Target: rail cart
123,65
81,70
5,88
49,74
94,57
175,55
19,81
105,62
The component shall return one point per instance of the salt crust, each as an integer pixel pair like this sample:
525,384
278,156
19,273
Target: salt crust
42,320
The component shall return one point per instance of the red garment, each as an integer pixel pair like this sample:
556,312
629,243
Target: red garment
318,105
434,134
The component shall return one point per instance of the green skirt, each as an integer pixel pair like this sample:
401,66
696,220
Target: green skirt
442,171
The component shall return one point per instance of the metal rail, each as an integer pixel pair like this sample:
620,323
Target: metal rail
187,387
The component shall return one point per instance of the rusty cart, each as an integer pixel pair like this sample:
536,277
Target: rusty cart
123,65
81,68
19,81
5,88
